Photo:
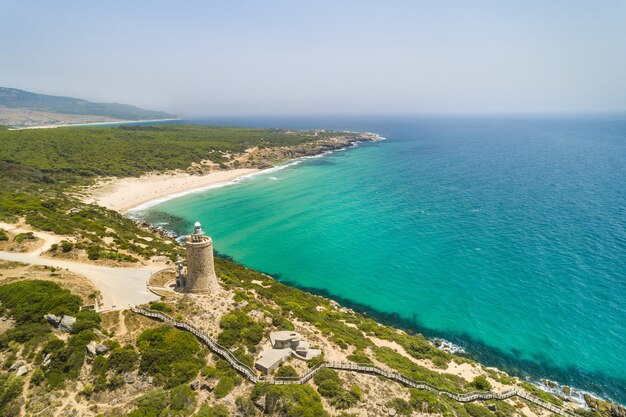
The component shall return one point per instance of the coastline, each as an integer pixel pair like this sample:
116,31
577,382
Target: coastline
128,194
125,194
119,122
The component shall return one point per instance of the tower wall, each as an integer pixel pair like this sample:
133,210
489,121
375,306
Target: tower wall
200,269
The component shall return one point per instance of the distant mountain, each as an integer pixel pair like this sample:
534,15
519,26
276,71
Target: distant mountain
20,99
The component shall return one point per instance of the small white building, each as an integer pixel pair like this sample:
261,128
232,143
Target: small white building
283,344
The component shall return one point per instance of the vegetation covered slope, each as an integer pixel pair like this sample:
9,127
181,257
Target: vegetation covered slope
14,98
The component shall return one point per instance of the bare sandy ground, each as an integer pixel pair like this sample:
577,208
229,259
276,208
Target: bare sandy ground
120,287
123,194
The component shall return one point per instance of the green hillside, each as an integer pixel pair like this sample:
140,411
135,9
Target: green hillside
14,98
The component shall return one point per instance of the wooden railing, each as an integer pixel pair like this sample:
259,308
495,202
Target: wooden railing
251,375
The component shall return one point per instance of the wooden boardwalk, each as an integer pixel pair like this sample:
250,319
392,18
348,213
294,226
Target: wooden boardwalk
252,376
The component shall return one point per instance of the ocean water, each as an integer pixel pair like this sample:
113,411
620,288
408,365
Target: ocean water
506,236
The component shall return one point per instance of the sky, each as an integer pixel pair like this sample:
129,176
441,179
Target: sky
321,57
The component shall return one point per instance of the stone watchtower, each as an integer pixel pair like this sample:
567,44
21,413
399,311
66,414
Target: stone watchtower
200,270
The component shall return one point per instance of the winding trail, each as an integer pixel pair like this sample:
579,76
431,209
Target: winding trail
251,375
120,287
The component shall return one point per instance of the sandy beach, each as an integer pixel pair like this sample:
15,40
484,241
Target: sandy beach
105,122
123,194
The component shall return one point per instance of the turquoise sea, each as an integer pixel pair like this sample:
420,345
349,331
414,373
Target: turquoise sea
504,235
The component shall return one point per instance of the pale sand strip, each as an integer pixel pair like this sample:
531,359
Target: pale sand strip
103,123
123,194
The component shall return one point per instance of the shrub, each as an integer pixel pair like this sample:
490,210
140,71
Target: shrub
86,320
66,245
329,385
215,411
122,360
4,236
328,382
29,301
480,383
10,392
359,357
286,371
182,397
151,404
94,252
476,410
424,401
290,400
223,387
170,355
159,306
38,377
100,365
402,407
245,407
24,237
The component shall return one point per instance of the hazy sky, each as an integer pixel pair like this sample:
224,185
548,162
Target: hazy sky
243,57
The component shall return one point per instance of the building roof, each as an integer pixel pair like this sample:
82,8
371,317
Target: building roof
269,358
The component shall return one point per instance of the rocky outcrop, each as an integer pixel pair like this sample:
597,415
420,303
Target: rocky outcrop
53,320
604,407
16,365
94,348
22,370
66,324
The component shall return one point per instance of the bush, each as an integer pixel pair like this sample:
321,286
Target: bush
100,365
37,378
245,407
151,404
359,357
170,355
24,237
480,383
10,392
159,306
66,245
94,252
224,386
328,382
476,410
402,407
424,401
238,327
182,397
286,371
29,301
290,400
4,236
123,360
215,411
86,320
329,385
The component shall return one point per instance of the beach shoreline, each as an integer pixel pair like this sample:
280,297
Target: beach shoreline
135,193
116,122
126,194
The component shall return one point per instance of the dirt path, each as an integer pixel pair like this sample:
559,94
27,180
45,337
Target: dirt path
120,287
